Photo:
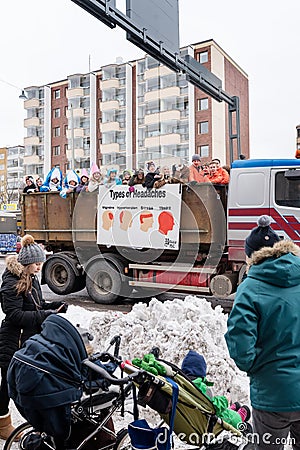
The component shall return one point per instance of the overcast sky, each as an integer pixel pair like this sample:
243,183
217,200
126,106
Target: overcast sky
44,41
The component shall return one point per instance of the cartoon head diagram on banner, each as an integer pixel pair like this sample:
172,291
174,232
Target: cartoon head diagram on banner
141,218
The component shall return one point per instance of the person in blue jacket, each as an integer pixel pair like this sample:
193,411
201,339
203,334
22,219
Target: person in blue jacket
53,181
263,338
71,181
112,178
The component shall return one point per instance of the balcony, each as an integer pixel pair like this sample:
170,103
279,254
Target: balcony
164,116
32,122
78,132
110,148
165,139
109,84
109,105
110,126
32,103
77,112
78,153
75,92
31,160
32,140
157,72
173,91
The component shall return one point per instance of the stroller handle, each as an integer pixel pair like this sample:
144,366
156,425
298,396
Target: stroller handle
107,376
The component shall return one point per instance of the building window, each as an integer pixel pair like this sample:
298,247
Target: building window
202,104
57,112
203,151
56,132
2,155
56,150
202,127
57,93
202,57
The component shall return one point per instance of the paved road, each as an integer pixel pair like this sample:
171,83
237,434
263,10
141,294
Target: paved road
82,298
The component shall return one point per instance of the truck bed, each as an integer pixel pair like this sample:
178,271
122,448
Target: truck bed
58,222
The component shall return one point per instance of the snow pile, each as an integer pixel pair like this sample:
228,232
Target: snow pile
175,327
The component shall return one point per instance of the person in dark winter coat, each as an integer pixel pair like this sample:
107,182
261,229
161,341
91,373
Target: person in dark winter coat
137,178
24,309
152,175
30,186
263,339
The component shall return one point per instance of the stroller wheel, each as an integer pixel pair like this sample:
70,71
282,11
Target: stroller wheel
123,441
24,430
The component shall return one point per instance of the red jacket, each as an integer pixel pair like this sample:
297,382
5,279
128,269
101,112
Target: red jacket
194,175
221,176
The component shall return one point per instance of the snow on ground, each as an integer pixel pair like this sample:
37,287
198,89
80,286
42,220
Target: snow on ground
175,327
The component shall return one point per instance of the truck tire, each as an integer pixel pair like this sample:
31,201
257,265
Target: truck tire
60,276
103,282
120,263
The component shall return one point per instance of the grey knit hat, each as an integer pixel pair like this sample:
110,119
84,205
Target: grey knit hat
30,252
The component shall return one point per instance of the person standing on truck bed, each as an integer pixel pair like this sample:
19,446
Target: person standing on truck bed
137,178
96,178
30,186
112,178
152,175
24,309
84,181
217,175
53,181
195,171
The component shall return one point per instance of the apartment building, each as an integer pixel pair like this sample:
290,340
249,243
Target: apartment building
11,174
129,112
14,173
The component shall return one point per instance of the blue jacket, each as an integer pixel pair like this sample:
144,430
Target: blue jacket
47,186
263,334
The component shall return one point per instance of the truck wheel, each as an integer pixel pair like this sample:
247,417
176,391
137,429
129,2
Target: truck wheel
59,276
103,282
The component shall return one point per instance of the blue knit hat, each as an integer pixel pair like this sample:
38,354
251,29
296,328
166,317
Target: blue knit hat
194,365
261,236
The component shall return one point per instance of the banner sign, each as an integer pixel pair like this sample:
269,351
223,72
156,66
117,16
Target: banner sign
137,217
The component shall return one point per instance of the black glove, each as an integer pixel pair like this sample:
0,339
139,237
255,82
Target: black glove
62,308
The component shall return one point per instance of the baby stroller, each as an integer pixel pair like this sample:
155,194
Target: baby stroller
67,403
194,420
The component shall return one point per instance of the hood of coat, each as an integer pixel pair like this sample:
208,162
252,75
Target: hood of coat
278,265
13,265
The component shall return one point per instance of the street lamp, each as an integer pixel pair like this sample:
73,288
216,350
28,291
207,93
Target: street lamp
22,96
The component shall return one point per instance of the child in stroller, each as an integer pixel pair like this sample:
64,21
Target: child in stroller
66,405
197,420
194,366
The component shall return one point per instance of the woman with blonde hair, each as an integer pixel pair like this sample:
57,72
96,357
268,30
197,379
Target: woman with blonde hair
24,309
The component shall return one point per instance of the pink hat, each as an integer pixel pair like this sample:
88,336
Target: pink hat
84,173
95,169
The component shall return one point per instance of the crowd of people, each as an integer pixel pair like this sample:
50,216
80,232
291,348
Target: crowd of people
150,177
